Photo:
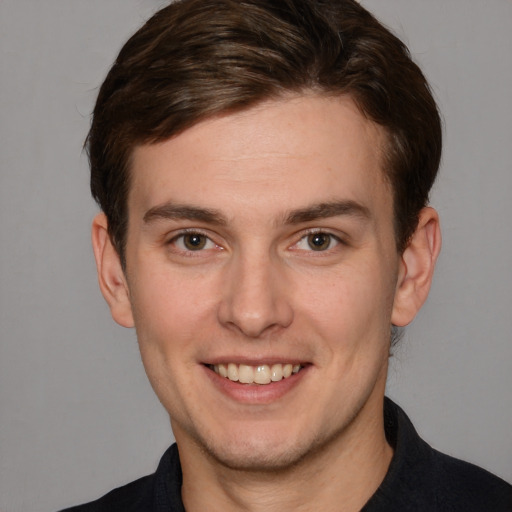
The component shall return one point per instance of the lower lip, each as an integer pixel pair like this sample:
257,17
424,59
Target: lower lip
258,394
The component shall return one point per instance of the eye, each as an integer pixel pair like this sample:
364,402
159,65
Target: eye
192,242
317,241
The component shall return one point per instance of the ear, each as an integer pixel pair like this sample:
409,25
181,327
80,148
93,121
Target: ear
416,270
111,276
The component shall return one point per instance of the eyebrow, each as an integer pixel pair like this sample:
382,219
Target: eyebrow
171,211
326,210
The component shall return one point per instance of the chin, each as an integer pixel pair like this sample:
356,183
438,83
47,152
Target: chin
262,453
257,458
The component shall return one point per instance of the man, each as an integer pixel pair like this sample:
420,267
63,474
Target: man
263,169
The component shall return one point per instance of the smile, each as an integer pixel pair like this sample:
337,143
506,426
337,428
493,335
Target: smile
261,374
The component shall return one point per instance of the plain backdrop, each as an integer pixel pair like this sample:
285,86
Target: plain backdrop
77,416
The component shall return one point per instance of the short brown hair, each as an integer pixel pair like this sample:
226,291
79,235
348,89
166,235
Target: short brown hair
195,59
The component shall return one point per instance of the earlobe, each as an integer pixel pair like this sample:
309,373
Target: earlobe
111,277
417,268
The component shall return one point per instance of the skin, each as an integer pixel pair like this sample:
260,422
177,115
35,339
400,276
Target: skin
250,188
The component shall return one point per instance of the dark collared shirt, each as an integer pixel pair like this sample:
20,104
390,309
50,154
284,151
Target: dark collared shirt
419,479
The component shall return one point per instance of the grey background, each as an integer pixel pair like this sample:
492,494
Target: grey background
77,416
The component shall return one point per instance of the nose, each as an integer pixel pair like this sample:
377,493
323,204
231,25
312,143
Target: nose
255,297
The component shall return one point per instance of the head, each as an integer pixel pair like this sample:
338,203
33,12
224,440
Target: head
263,168
197,59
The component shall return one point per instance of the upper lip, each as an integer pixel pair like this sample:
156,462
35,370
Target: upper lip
255,361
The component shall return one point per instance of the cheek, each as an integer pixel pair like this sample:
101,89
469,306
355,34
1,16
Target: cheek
351,306
171,324
171,309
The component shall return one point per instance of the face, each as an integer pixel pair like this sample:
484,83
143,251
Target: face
261,243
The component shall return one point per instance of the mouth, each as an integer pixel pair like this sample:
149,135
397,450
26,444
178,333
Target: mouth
260,374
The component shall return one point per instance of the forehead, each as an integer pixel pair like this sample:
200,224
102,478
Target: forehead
303,148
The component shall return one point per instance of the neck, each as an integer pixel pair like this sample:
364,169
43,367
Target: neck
341,475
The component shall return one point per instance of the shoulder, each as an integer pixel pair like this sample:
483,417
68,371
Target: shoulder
131,497
134,496
464,486
158,491
421,479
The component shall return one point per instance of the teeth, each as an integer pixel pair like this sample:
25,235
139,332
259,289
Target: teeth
245,374
232,372
276,372
262,374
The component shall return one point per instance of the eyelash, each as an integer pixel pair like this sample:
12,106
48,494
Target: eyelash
181,235
334,241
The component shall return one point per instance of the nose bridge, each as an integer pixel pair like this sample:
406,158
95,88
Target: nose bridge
254,298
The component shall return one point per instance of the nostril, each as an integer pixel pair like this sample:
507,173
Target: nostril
254,300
